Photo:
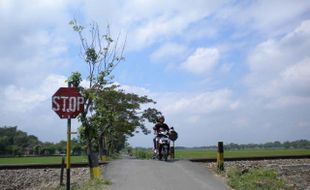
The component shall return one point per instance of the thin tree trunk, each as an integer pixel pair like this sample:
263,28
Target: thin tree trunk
101,148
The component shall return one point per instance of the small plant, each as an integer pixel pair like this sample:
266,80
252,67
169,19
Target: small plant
258,179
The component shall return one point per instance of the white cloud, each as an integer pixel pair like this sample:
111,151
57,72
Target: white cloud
194,104
149,22
280,68
30,109
33,41
17,99
269,17
169,51
202,61
134,89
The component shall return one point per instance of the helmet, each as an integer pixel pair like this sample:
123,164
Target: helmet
161,118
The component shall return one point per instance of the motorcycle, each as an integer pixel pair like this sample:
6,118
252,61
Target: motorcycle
163,145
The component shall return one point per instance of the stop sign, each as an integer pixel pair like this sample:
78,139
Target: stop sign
67,103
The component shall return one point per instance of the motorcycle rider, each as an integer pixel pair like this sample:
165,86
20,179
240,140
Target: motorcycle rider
160,126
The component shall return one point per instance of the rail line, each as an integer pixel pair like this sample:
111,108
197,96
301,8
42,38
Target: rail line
44,166
85,164
252,158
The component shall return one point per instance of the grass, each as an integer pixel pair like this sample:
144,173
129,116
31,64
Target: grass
142,153
259,179
198,153
40,160
147,154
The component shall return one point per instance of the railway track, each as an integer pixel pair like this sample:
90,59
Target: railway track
85,164
44,166
252,158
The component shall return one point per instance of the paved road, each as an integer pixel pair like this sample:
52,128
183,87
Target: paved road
131,174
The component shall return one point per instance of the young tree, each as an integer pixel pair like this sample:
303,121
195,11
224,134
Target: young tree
110,114
101,54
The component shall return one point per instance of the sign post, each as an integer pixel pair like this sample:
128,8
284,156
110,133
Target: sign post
68,103
68,149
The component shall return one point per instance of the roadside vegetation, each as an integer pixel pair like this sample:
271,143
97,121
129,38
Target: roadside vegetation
259,179
142,153
200,153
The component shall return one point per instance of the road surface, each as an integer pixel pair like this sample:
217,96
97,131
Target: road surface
132,174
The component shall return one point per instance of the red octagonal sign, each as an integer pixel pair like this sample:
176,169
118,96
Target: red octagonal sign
67,103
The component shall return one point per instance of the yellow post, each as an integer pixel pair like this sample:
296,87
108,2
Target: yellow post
220,156
104,158
68,149
104,154
94,166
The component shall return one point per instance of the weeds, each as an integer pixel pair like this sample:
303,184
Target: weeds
258,179
142,153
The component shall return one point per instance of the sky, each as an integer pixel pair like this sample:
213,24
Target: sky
232,71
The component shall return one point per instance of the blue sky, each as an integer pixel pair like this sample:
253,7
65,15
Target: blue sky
236,71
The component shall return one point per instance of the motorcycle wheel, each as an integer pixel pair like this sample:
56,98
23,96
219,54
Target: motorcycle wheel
165,152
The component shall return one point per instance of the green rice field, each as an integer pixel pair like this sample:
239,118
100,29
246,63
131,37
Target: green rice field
40,160
179,154
199,153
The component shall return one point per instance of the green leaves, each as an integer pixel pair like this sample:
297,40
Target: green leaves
75,79
76,27
91,56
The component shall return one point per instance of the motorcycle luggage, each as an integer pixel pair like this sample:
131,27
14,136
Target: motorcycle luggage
173,135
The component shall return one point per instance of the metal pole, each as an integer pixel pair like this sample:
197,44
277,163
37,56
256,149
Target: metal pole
68,149
62,170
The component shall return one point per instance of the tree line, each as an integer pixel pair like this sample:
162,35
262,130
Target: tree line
15,142
297,144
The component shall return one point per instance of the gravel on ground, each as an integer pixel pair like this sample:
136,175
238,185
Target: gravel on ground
296,172
39,179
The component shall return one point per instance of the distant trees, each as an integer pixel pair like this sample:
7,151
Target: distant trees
14,142
303,144
298,144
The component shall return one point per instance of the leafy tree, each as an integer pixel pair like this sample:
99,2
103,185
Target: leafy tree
110,114
48,148
16,142
118,115
101,54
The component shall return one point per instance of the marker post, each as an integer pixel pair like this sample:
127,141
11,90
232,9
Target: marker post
220,156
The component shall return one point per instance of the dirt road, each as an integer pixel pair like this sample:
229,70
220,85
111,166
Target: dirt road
131,174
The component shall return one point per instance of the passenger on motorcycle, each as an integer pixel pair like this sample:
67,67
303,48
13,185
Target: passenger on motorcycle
160,126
